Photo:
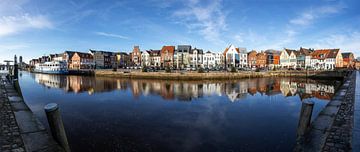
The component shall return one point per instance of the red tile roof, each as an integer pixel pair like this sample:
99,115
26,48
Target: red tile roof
170,49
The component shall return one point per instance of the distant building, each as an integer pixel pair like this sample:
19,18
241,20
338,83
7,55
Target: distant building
182,56
122,59
196,58
136,56
209,59
334,59
288,58
243,59
348,60
232,56
155,58
81,61
66,56
261,60
33,62
273,58
167,56
304,58
145,58
326,59
318,59
103,59
252,58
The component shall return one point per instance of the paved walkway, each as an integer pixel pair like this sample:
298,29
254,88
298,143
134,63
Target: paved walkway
340,133
20,129
356,130
10,138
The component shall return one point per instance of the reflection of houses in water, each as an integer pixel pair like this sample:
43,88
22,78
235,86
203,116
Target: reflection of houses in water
187,91
52,81
307,90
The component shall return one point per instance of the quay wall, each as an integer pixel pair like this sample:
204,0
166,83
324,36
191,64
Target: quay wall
331,130
218,75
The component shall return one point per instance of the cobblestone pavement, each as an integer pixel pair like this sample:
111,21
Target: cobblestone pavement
10,138
339,138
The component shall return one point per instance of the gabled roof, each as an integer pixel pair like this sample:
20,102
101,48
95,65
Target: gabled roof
200,51
319,54
306,52
82,54
227,49
333,53
325,53
155,52
346,55
288,51
170,49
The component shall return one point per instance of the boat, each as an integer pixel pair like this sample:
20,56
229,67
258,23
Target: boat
53,67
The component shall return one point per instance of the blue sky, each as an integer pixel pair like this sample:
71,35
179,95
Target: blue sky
33,28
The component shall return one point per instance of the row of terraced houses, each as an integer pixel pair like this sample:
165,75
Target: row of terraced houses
185,56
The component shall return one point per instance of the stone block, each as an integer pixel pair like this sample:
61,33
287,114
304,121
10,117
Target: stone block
18,106
330,110
316,140
335,102
28,122
15,99
43,142
322,122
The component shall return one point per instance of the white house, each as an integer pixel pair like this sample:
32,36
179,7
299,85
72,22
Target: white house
196,58
288,58
209,60
243,57
232,57
155,58
145,58
219,59
327,59
333,59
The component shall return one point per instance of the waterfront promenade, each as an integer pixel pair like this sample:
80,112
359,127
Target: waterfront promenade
20,129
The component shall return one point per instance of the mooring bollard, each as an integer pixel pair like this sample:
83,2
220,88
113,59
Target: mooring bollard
305,117
56,125
16,71
17,87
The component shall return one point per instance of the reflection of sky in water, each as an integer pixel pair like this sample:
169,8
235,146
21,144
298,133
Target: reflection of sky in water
145,115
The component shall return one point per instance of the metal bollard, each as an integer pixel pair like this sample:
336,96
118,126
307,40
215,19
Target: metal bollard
56,125
305,117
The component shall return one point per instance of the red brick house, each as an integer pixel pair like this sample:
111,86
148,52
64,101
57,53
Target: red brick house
167,56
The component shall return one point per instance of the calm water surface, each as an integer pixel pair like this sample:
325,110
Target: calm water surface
109,114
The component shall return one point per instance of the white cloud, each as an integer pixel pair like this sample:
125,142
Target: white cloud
14,24
206,19
308,16
344,41
14,18
112,35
